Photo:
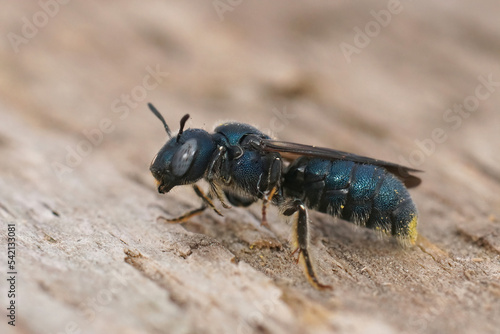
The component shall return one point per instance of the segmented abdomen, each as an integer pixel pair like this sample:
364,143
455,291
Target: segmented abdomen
366,195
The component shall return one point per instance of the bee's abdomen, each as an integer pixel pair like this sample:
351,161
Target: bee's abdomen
366,195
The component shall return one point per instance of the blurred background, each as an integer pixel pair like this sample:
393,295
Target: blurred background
413,82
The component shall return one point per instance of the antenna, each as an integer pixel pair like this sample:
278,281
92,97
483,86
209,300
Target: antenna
157,114
183,122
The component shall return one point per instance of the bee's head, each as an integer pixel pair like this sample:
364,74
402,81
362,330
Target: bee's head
184,158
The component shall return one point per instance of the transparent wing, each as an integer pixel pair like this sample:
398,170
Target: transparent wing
402,172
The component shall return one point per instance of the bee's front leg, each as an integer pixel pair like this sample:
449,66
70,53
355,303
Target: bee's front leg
207,203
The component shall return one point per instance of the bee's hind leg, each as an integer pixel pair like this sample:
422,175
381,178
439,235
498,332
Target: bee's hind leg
301,240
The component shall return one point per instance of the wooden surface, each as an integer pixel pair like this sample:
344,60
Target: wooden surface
91,257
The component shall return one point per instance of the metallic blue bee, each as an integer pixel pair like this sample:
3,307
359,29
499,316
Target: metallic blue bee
242,165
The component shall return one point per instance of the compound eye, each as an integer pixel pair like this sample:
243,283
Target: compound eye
183,158
154,160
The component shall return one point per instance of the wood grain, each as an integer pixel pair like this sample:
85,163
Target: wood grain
92,258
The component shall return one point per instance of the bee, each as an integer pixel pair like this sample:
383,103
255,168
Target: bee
242,165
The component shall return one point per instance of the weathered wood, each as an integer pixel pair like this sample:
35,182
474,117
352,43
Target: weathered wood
91,256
